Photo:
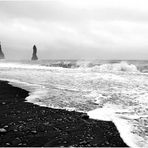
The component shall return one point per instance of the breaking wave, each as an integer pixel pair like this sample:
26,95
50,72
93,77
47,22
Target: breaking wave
122,66
93,66
79,65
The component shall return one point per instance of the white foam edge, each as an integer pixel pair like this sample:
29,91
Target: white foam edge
33,95
122,125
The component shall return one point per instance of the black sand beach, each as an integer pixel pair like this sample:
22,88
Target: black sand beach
26,124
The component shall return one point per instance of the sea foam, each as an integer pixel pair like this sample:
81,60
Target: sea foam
122,66
123,126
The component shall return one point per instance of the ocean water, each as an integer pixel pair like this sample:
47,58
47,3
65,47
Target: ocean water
114,91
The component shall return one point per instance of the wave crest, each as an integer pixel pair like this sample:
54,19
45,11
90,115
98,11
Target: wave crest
121,67
84,64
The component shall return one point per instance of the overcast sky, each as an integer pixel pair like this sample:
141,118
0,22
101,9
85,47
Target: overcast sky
70,29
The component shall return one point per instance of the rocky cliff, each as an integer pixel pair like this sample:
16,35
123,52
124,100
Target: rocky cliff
34,54
1,53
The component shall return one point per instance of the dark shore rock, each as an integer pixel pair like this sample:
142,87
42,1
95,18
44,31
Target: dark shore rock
34,54
84,116
29,125
1,53
63,64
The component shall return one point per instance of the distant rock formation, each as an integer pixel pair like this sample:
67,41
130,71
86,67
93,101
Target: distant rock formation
1,53
34,54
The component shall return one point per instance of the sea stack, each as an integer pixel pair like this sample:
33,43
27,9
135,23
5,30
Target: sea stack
1,53
34,54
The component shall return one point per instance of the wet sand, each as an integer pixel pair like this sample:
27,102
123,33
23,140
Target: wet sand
26,124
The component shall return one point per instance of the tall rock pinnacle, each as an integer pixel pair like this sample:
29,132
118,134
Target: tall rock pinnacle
34,54
1,53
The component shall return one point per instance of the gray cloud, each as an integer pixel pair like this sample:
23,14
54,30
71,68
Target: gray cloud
57,10
75,29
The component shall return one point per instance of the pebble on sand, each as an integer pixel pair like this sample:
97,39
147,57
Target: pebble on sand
2,130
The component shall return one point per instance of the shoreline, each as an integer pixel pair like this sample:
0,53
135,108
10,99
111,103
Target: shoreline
27,124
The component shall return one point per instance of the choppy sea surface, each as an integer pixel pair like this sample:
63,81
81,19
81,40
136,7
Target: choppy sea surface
114,91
